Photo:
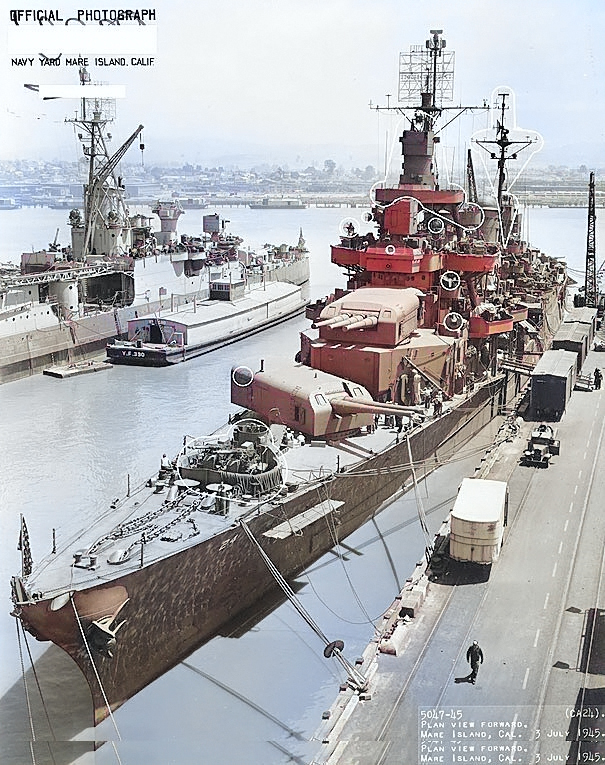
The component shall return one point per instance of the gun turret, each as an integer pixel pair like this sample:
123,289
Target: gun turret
310,401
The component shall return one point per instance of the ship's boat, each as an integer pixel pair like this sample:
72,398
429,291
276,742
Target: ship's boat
67,302
399,370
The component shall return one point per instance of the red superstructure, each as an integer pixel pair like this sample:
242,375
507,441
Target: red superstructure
436,289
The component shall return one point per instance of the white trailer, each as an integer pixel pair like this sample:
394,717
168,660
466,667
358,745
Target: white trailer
477,520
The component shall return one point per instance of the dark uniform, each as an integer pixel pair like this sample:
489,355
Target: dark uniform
474,656
598,377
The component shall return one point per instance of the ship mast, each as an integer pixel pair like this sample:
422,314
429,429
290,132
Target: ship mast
426,82
104,205
503,149
427,72
435,46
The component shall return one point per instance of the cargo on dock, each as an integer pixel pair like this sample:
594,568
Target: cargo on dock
552,382
477,521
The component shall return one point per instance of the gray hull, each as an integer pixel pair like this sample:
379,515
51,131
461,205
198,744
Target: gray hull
181,601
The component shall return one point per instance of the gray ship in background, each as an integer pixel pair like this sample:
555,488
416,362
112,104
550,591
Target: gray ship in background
66,303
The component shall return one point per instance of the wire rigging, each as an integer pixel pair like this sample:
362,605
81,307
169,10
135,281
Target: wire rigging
29,709
420,506
355,677
94,667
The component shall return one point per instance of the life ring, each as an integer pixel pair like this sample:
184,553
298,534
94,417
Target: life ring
389,249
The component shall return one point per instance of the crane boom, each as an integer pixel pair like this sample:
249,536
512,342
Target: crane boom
590,283
97,187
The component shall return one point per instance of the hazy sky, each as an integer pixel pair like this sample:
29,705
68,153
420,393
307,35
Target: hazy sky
289,80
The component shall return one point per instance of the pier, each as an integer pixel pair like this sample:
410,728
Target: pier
537,615
209,202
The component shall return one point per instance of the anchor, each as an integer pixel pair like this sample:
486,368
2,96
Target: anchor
102,636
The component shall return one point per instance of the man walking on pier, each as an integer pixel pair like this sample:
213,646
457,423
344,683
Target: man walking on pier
474,656
598,378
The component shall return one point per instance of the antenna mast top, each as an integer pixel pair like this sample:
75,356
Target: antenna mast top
504,148
426,79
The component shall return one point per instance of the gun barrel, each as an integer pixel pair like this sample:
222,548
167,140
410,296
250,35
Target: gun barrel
388,407
329,322
350,405
368,321
345,319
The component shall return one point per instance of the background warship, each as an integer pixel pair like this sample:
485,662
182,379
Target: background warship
67,302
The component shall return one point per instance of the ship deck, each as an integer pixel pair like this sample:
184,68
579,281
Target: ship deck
180,524
206,312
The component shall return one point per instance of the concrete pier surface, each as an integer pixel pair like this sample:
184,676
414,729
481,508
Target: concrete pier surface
538,614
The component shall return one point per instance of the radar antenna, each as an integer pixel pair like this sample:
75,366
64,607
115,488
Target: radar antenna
426,83
427,73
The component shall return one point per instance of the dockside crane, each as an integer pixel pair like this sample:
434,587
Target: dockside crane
591,295
97,196
471,183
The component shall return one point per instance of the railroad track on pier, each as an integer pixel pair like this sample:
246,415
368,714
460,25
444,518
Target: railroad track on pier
565,578
585,735
390,719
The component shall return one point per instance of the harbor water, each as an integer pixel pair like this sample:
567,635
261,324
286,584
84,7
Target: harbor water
68,448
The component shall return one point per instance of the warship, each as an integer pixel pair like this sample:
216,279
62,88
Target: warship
399,370
67,302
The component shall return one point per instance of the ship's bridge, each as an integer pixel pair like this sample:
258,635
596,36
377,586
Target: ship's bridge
423,194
